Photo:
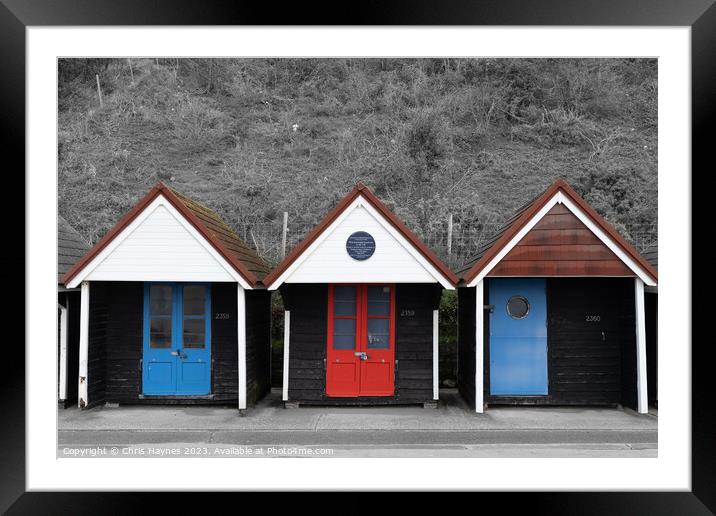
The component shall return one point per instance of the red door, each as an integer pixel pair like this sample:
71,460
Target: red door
361,340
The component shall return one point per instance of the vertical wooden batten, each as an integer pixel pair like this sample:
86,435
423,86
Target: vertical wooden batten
286,341
436,370
82,389
241,338
479,346
62,380
641,385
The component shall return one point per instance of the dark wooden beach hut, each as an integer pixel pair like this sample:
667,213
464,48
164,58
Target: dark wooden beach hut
70,248
552,311
177,313
361,294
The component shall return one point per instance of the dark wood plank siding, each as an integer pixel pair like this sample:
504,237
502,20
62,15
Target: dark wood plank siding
466,344
73,344
560,245
71,300
308,305
591,362
125,303
651,306
97,342
414,341
414,348
224,344
258,344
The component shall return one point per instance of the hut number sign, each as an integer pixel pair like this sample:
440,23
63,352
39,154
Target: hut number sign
360,245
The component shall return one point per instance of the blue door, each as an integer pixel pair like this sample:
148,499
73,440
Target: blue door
518,337
177,339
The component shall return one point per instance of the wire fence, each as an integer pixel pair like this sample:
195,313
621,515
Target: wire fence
454,247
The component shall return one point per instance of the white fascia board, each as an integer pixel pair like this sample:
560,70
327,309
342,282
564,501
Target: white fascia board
560,198
361,202
137,222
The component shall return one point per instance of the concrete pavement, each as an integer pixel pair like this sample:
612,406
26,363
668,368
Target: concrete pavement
450,430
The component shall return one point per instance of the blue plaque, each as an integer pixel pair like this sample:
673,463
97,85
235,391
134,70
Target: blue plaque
360,245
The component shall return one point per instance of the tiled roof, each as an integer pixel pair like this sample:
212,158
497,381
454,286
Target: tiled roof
652,255
70,247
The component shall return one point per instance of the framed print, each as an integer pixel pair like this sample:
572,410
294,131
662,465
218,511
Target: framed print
411,237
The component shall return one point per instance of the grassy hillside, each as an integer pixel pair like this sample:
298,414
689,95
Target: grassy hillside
254,138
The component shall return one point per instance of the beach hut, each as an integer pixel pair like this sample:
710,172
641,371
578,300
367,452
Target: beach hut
172,309
361,294
551,310
70,248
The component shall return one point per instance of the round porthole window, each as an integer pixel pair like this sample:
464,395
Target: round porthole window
518,307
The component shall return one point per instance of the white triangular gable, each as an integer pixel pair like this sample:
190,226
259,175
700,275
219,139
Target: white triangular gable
561,198
159,245
395,259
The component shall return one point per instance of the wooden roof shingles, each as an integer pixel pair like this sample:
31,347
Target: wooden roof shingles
70,247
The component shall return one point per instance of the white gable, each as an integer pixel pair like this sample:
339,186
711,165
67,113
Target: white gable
159,245
395,259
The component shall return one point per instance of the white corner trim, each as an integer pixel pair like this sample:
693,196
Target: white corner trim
436,355
286,342
82,379
62,380
361,202
641,380
160,200
560,198
241,334
479,347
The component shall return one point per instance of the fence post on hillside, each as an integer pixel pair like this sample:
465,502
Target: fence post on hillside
449,237
131,72
99,90
284,230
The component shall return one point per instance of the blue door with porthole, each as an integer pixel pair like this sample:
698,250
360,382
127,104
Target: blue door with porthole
177,339
518,337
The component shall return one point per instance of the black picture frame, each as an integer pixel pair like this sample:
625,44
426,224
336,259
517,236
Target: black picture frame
700,15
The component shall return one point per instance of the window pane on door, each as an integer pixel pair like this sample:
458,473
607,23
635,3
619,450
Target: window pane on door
194,299
344,333
194,333
160,332
378,333
379,300
160,300
344,301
